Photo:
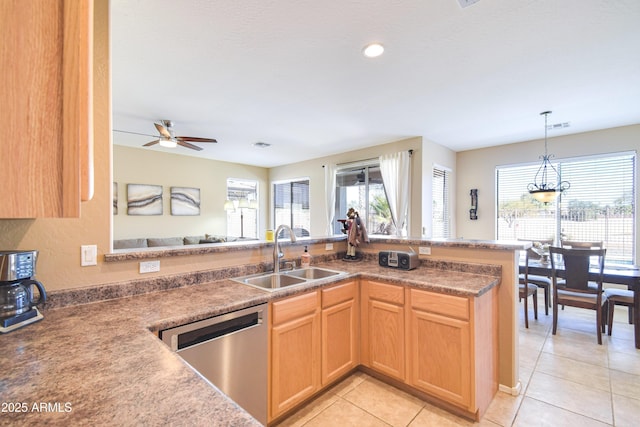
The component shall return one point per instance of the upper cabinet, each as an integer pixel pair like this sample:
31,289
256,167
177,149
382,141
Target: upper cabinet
46,107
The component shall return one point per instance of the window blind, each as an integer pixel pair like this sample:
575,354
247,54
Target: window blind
440,221
291,206
242,222
599,205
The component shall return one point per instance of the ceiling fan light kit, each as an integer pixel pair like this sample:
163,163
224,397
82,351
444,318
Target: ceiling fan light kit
168,138
168,143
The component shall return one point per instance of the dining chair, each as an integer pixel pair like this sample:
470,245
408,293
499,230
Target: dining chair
539,281
615,297
526,291
570,277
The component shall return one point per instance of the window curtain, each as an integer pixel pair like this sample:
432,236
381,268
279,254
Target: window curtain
395,170
330,196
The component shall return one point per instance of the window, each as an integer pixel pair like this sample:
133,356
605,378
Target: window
291,206
441,214
242,218
599,205
360,187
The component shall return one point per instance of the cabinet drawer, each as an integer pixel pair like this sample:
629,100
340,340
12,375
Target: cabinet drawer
293,307
433,302
339,293
384,292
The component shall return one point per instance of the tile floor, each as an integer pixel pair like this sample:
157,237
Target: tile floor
567,380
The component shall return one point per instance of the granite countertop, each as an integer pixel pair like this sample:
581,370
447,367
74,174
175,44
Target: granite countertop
101,363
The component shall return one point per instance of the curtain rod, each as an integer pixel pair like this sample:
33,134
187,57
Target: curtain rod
357,162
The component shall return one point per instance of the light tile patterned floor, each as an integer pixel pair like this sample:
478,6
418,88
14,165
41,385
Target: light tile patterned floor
567,380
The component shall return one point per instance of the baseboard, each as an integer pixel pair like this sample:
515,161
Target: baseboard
513,391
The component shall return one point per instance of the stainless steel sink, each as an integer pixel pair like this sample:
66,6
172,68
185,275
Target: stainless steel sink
312,273
273,281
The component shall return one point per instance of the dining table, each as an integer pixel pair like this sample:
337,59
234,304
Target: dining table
628,275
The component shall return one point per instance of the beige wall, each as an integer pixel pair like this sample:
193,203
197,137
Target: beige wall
436,155
476,169
59,240
315,172
139,166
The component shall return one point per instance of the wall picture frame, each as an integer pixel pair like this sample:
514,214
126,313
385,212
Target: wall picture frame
144,199
185,201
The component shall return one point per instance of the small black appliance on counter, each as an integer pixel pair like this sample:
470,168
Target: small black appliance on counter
400,260
17,305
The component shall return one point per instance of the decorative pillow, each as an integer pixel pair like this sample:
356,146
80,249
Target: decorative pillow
165,241
129,243
193,240
216,238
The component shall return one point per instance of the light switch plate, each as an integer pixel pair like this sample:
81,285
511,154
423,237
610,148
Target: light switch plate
424,250
88,255
328,246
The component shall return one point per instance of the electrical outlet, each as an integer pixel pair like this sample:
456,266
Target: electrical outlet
328,247
424,250
149,266
88,255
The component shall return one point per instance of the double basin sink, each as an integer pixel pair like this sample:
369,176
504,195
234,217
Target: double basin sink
274,281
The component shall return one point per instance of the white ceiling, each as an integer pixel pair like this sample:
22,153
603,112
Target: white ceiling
291,72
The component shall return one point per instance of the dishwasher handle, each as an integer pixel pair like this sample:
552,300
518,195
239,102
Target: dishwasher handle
214,328
217,330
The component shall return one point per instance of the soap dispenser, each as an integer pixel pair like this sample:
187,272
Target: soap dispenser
305,259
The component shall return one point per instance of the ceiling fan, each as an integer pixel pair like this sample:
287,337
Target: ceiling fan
167,137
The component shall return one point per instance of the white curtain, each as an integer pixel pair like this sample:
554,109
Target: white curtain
395,170
330,196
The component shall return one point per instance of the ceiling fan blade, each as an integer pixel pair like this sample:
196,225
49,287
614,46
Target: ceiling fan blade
134,133
194,139
163,130
187,145
149,144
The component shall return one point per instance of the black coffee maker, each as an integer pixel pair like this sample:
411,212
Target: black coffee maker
17,283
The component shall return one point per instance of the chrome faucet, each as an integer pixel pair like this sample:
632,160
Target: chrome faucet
277,252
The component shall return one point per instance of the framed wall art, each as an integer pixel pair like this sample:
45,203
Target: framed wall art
115,198
144,199
185,201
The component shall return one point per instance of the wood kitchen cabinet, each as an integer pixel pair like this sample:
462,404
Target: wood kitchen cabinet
437,345
295,351
452,346
340,330
46,107
383,328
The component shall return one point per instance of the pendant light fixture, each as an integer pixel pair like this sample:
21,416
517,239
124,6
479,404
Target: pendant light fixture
546,187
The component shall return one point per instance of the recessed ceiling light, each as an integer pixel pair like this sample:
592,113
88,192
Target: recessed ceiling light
373,50
261,144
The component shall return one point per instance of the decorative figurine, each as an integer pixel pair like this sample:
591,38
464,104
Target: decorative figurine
356,234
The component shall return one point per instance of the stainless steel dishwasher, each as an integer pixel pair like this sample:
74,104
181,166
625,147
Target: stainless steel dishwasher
230,351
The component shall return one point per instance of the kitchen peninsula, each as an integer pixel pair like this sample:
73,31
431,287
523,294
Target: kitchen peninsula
101,363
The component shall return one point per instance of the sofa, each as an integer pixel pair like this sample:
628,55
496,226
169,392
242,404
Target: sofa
150,242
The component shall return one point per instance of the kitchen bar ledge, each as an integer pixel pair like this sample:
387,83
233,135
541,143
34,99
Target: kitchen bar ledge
100,363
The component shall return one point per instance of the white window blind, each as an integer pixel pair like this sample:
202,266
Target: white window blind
291,206
441,218
599,205
242,222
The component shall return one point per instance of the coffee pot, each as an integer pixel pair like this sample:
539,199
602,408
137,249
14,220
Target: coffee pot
17,290
17,297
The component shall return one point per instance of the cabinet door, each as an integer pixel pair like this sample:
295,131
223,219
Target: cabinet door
295,352
440,356
340,340
383,328
46,106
